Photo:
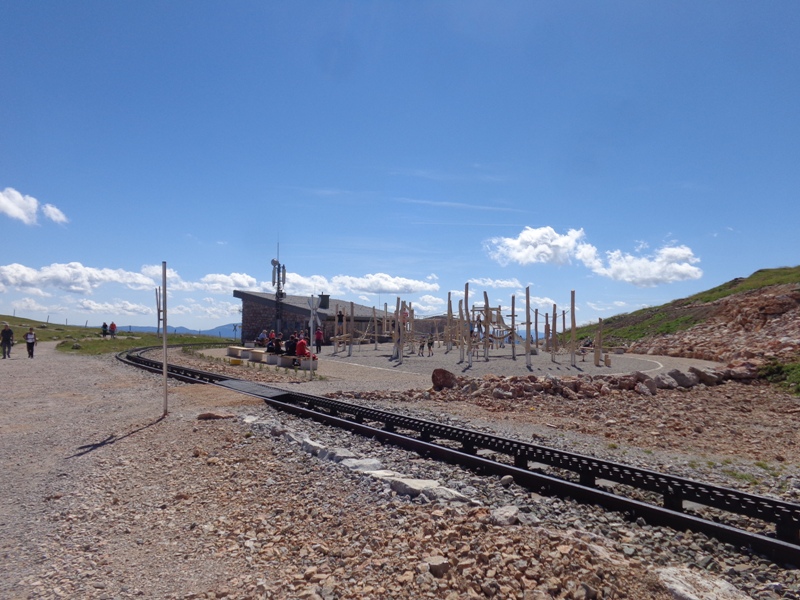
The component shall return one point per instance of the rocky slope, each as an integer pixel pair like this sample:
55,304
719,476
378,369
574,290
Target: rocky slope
757,325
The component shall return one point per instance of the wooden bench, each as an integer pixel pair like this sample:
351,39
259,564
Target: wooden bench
239,351
307,363
257,355
286,362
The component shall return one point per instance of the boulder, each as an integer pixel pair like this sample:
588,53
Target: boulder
442,378
707,376
684,380
505,515
665,382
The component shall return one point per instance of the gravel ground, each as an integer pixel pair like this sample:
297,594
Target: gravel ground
100,498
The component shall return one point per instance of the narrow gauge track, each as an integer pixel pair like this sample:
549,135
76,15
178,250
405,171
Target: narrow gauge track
524,461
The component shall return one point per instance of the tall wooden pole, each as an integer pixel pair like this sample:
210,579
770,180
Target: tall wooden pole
351,329
487,326
164,338
598,343
449,326
573,343
513,335
461,341
469,324
528,326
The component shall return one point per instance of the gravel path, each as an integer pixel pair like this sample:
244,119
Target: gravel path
369,368
100,498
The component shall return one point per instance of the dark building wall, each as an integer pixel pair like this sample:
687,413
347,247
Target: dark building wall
257,316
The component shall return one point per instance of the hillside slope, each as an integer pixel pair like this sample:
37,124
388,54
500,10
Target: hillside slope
756,324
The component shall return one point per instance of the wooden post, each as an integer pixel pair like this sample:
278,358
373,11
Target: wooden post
396,332
375,320
469,324
487,326
461,341
513,329
554,333
352,328
598,343
546,332
335,328
536,328
572,318
449,326
528,326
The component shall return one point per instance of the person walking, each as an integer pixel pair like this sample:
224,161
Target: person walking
30,341
104,329
6,340
112,329
430,344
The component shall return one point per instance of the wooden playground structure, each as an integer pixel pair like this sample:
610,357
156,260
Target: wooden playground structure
474,331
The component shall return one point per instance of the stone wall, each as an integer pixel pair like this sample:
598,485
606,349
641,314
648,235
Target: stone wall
257,316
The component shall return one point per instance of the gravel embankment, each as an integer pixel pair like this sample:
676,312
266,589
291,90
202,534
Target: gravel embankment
99,498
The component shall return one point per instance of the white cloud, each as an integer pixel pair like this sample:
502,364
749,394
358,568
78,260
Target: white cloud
380,283
667,266
301,285
542,303
17,206
54,214
496,283
25,208
214,283
116,307
209,308
219,283
70,277
545,245
542,245
427,305
28,305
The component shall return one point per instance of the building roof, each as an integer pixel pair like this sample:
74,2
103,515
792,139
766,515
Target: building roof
301,302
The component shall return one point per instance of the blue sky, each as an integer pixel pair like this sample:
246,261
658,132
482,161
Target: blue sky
635,152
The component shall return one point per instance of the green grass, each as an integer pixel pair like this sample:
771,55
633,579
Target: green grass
768,468
759,279
746,477
91,341
682,314
785,375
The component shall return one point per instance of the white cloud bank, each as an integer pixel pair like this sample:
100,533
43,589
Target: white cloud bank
372,283
545,245
25,208
70,277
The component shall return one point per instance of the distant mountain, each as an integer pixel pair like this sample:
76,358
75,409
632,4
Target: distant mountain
222,331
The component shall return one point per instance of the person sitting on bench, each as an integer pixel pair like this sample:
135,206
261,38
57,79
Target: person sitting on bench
291,346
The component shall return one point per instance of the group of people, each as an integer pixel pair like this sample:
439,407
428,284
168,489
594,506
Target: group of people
7,340
296,345
423,342
107,329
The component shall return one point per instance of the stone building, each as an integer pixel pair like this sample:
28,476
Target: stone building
259,312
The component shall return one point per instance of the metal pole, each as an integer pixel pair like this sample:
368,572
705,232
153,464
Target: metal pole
164,318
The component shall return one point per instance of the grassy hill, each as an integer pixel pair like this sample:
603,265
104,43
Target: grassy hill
682,314
90,339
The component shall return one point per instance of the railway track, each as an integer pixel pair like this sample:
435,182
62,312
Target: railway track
579,477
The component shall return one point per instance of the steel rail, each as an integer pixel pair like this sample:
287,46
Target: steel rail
675,490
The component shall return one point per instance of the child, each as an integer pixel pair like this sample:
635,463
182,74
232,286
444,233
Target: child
430,344
421,347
